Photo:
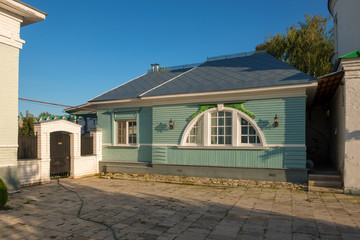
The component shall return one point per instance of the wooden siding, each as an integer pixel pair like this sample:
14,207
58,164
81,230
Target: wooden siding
291,113
159,154
271,158
161,117
295,158
145,125
127,154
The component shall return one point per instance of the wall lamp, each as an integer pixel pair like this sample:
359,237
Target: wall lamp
276,121
171,124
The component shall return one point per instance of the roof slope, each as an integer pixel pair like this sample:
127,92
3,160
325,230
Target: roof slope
236,73
137,86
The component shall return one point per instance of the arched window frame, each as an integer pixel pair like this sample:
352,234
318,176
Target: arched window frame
236,130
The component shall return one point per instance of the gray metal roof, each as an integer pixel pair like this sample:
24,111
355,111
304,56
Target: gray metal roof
252,71
235,73
137,86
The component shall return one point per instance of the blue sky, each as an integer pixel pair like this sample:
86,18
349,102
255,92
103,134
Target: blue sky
86,47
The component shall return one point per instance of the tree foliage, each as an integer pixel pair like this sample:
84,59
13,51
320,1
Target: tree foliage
44,114
306,46
26,128
26,125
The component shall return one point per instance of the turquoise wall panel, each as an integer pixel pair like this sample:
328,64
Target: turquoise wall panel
104,122
271,158
276,157
290,111
161,117
127,154
145,125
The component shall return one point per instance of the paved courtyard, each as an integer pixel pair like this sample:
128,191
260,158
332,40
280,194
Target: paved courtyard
150,210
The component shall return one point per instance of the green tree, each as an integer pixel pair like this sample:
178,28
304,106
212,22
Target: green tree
44,114
306,46
26,127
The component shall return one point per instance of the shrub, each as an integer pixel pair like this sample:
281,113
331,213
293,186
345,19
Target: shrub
3,193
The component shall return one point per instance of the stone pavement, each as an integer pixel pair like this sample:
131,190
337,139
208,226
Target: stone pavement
153,210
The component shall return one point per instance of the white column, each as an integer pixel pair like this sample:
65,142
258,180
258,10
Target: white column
43,152
96,133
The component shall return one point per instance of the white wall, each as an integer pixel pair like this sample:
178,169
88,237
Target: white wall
352,125
346,15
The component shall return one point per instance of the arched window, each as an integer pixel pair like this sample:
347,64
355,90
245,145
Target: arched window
225,127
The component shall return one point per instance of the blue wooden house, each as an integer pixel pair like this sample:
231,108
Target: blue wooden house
236,116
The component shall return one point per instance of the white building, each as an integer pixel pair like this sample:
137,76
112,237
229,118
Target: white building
345,104
13,15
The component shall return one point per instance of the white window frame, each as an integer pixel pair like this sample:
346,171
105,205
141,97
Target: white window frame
236,130
126,132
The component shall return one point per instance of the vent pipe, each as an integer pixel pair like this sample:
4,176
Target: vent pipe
155,67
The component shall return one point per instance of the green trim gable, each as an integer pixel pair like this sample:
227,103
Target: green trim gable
354,54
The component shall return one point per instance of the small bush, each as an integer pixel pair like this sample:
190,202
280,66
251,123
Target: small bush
3,193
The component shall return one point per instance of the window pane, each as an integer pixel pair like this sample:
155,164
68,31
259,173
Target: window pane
244,139
213,131
221,131
228,114
244,122
228,121
221,122
213,122
252,139
213,114
213,140
192,132
192,139
228,131
252,130
221,140
220,114
244,130
228,140
258,140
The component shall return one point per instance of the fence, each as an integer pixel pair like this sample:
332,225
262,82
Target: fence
27,147
86,146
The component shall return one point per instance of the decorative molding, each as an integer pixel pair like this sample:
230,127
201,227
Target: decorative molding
8,165
9,146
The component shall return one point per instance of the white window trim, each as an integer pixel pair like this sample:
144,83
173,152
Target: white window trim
127,144
236,130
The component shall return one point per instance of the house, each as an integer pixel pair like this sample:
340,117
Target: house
234,116
13,15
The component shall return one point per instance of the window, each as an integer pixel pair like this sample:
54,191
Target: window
196,133
221,128
126,132
227,127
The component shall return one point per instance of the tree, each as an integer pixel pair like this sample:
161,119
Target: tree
306,46
27,126
44,114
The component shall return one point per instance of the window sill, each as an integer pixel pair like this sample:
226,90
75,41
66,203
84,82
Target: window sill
225,147
123,146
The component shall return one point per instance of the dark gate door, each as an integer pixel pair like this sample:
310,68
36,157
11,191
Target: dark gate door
59,154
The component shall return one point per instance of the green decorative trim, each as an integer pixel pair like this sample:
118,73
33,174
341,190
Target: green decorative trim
238,106
355,54
203,108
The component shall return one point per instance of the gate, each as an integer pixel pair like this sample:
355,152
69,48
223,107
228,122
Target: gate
59,154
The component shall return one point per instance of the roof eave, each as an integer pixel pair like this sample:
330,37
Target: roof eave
28,13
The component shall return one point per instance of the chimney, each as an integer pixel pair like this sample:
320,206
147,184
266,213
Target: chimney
155,67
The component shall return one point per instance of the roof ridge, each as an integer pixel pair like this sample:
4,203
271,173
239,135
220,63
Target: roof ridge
167,81
117,87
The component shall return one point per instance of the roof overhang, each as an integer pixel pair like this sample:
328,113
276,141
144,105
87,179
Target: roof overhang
28,13
327,86
294,90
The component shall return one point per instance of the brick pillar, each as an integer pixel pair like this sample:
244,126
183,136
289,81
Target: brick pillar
96,133
43,152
